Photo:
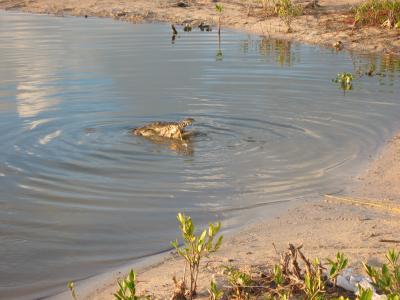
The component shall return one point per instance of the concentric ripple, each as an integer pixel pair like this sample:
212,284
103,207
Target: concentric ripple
80,194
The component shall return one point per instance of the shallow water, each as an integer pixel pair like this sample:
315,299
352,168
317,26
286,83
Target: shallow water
80,194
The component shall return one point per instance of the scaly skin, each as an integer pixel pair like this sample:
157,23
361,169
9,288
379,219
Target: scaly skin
172,130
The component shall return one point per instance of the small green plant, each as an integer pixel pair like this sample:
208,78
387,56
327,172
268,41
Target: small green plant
345,80
127,288
71,287
314,285
287,12
219,8
387,279
195,247
278,275
215,293
364,294
238,280
337,266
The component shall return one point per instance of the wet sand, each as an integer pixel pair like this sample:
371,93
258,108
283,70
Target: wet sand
323,25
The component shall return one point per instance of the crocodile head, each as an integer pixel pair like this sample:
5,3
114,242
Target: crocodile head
186,122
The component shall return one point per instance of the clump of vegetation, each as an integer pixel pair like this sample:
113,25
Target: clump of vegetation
387,279
194,247
345,80
379,13
337,266
127,288
314,285
288,11
215,292
240,282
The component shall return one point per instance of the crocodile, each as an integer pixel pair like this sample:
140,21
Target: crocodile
172,130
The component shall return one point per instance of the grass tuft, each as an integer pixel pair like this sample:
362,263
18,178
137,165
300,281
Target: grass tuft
378,13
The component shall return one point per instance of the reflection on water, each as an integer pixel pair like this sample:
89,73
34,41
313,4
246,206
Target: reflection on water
181,147
383,67
80,194
32,99
279,51
219,56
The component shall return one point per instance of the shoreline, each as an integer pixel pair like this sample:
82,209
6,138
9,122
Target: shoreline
323,25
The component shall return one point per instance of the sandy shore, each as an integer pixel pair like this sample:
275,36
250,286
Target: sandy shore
324,25
324,227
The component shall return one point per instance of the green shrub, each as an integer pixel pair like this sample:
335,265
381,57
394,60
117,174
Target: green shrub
195,247
337,266
387,278
127,288
364,294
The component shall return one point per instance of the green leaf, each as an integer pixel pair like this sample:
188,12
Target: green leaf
218,243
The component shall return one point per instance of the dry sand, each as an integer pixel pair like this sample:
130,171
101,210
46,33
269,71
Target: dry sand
324,227
324,25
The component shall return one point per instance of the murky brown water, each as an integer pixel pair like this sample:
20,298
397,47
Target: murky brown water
79,194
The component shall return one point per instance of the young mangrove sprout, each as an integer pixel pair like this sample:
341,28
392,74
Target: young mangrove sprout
219,8
345,80
127,288
194,247
71,287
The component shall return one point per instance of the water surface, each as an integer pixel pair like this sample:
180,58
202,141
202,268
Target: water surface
80,194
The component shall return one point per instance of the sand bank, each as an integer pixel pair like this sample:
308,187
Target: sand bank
323,25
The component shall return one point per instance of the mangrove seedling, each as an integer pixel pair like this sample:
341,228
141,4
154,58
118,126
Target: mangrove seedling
387,279
219,8
215,292
337,266
345,79
71,287
194,247
127,288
